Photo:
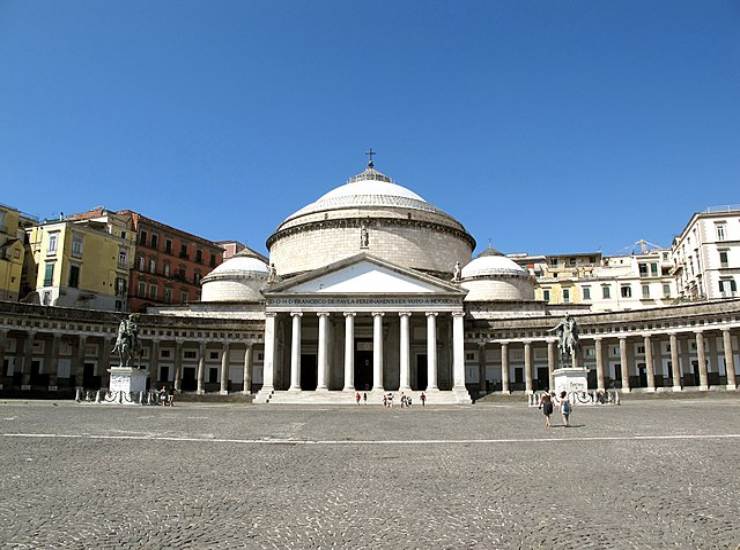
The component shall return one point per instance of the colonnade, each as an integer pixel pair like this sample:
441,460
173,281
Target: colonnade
679,360
379,384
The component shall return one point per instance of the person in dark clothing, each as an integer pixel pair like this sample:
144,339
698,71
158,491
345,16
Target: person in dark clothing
546,408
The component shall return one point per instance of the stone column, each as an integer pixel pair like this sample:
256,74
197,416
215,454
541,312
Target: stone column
106,345
647,341
79,366
729,359
505,368
702,359
247,388
675,363
295,352
27,360
225,363
482,367
201,369
528,368
323,370
405,374
378,351
53,368
551,360
458,350
154,363
3,345
178,366
431,351
349,351
574,358
599,348
624,361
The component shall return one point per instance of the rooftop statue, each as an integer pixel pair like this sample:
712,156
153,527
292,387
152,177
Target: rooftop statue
456,273
127,342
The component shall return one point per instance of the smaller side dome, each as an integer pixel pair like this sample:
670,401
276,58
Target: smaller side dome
492,277
238,279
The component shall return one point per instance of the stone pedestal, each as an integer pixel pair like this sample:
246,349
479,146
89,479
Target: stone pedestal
570,380
127,380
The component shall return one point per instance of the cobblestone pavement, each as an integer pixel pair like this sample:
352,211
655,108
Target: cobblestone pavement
643,475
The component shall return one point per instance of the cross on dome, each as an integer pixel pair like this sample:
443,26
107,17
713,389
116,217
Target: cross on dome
370,155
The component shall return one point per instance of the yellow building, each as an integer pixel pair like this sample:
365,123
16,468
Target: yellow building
12,234
80,262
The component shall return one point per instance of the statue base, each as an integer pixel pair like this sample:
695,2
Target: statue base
570,380
127,380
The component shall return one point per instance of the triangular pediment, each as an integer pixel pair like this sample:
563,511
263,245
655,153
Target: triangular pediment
364,274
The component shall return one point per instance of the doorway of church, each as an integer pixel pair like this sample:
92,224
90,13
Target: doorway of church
363,366
309,373
188,379
422,380
543,379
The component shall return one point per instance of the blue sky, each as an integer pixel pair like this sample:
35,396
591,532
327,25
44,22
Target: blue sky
544,126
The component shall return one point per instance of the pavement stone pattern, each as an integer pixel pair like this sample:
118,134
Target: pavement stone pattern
89,487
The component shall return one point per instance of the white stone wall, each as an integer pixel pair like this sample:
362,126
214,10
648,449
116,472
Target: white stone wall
407,246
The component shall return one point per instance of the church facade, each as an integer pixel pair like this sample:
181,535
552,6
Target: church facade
372,289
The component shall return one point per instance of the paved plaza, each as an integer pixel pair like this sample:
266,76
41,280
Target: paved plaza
646,474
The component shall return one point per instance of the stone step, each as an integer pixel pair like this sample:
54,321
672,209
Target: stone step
373,398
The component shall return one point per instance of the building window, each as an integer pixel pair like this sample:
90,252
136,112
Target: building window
554,262
606,292
546,295
77,246
167,295
166,269
181,273
142,289
53,242
727,287
646,291
196,278
168,246
152,265
654,269
626,291
213,260
155,241
120,286
119,305
720,231
141,263
49,275
183,251
74,276
122,258
643,270
666,290
183,297
153,292
566,295
142,238
723,258
199,256
586,292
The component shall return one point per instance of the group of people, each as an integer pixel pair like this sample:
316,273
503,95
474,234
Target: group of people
406,400
166,399
549,401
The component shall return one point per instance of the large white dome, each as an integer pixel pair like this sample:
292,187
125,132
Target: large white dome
368,189
492,277
492,262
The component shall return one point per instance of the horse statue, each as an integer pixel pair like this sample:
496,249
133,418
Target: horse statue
567,331
127,342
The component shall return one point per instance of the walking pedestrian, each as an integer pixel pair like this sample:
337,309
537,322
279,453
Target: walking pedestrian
357,397
546,408
565,408
385,401
364,397
423,398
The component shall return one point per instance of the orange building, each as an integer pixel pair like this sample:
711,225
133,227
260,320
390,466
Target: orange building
168,263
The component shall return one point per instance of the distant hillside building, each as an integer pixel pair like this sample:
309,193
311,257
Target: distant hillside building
12,236
706,255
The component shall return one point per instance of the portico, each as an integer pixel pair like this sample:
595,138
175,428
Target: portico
372,327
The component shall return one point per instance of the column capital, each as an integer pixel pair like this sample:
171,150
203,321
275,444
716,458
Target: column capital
699,332
226,344
270,313
727,330
623,338
296,314
249,344
202,345
551,341
646,335
323,314
598,338
458,314
404,314
350,314
377,313
482,343
179,341
431,313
